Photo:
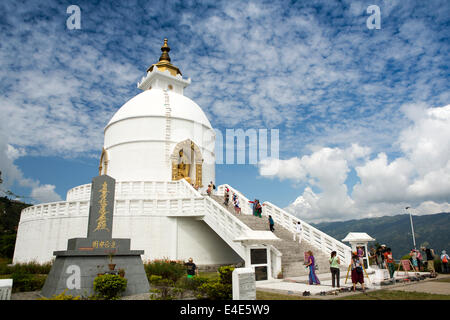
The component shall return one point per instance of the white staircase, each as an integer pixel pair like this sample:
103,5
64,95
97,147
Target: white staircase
292,252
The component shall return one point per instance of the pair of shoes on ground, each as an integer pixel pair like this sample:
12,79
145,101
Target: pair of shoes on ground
306,293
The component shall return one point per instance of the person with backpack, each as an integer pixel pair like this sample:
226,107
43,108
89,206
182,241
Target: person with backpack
430,260
444,259
357,271
213,187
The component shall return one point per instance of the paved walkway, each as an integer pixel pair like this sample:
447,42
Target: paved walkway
296,286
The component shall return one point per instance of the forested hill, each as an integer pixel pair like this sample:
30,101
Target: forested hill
395,231
9,220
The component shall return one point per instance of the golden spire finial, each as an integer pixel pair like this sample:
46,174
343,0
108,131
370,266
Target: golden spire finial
164,61
165,52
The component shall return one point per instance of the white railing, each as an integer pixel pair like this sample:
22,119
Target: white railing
225,224
134,189
229,227
317,238
53,209
133,207
246,207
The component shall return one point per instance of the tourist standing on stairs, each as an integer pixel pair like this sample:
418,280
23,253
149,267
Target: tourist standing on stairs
226,198
312,269
255,202
271,223
334,268
213,187
209,190
357,271
236,206
298,231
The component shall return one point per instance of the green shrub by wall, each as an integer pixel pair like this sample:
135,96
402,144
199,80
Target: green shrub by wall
23,282
167,269
32,267
110,286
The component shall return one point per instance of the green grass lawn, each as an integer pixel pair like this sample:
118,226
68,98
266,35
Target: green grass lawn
264,295
396,295
374,295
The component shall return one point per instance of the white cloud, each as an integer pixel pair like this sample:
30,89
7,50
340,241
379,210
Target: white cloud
45,193
11,174
420,177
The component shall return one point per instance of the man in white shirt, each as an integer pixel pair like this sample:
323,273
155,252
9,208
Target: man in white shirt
298,231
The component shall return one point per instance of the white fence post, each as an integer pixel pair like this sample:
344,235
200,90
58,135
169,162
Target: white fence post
5,289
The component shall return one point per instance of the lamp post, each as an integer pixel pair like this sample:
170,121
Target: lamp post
412,227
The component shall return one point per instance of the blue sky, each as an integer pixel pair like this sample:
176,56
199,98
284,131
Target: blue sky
363,114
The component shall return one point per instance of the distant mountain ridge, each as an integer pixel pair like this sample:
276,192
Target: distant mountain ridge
395,231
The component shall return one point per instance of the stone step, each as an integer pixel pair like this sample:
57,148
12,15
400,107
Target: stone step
293,254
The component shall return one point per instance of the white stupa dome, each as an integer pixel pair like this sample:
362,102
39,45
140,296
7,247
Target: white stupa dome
144,137
150,103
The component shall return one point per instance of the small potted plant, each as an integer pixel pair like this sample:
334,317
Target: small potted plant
111,265
121,272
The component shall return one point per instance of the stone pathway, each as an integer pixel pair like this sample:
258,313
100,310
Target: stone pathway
296,286
292,287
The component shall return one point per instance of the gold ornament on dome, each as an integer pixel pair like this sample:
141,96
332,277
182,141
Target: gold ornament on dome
164,61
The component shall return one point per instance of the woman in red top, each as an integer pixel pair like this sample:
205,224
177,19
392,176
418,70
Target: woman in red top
390,262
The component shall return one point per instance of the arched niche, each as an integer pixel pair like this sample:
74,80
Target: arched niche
187,163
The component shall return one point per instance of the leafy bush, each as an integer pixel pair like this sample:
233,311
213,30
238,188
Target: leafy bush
219,289
110,286
164,290
216,290
32,267
225,273
62,296
167,269
192,284
27,282
7,243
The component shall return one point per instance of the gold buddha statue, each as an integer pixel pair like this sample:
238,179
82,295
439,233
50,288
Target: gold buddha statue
183,167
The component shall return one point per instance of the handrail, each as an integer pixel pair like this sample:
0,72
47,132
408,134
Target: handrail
129,189
311,234
243,200
191,203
